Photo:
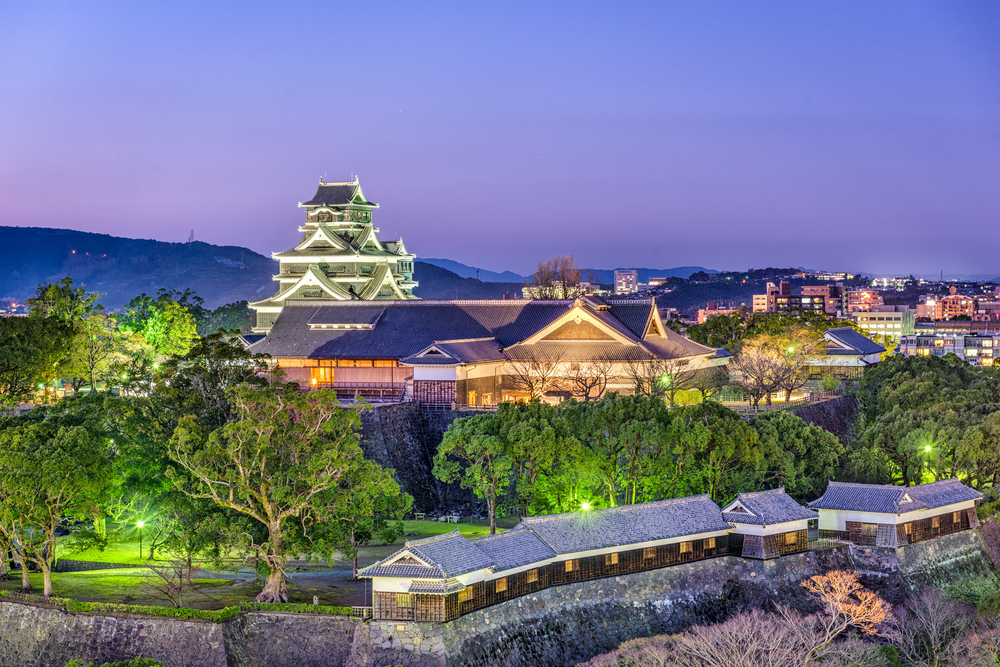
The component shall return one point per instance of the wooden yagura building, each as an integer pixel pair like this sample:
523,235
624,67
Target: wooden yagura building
479,352
443,577
767,524
339,256
894,516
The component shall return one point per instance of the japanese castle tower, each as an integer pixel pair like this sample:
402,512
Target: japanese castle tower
339,256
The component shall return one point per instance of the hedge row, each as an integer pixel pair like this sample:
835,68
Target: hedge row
296,608
216,616
37,599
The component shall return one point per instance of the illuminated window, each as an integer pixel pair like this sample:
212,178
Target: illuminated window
532,576
367,363
956,517
686,547
908,527
710,543
611,559
649,552
935,522
349,363
465,594
501,585
383,363
791,539
404,600
571,565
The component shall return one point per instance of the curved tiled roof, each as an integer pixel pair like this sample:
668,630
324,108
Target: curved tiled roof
893,499
514,548
854,340
336,194
765,508
626,525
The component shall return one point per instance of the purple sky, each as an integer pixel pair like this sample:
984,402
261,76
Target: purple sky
833,135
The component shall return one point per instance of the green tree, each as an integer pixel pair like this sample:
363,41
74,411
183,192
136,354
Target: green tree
166,322
272,463
64,301
51,470
97,347
804,458
716,451
368,505
472,452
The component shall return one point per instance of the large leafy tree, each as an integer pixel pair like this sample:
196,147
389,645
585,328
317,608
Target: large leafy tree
52,469
473,453
803,457
166,322
64,301
273,462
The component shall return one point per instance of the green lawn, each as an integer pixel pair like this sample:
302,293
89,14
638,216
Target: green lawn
121,552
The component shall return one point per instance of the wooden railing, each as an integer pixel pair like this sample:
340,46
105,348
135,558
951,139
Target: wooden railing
813,397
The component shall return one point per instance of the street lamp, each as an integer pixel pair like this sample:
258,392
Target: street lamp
585,506
139,525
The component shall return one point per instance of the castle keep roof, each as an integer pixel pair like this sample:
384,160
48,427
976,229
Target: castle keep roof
338,194
893,499
765,508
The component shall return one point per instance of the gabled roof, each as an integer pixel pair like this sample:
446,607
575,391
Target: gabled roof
893,499
626,525
338,194
449,555
765,508
853,340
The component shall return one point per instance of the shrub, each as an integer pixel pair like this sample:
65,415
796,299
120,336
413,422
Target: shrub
219,616
296,608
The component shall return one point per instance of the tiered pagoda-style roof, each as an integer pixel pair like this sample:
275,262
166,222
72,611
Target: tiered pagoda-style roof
339,257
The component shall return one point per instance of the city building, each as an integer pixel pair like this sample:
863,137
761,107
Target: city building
440,578
472,352
897,284
826,275
863,301
894,516
978,350
779,298
947,307
712,310
892,321
657,281
626,281
339,257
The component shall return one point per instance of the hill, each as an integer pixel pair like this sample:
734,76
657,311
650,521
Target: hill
466,271
123,268
607,276
439,283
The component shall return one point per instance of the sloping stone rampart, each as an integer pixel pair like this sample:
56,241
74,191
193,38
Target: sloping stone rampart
558,626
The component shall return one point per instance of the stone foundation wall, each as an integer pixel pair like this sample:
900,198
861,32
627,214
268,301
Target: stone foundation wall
838,416
557,626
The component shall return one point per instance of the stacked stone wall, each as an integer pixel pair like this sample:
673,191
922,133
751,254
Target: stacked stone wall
838,416
562,625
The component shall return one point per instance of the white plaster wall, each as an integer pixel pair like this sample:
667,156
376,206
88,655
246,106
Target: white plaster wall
435,373
837,519
773,529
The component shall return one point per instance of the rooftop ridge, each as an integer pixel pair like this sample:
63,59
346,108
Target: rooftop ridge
754,494
620,508
464,340
433,538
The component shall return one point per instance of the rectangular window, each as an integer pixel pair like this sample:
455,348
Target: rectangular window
366,363
956,517
571,565
404,600
385,363
710,543
532,576
908,527
346,363
465,594
935,522
501,585
791,539
611,559
686,547
649,552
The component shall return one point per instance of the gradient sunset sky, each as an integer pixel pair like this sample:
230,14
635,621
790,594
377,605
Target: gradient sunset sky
832,135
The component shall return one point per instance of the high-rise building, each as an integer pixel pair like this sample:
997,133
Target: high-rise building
626,281
339,256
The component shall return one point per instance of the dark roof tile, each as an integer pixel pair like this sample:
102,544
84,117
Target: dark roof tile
766,508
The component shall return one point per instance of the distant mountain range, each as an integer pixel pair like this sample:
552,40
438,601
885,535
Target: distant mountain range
606,276
123,268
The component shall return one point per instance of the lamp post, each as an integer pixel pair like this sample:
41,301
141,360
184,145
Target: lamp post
139,525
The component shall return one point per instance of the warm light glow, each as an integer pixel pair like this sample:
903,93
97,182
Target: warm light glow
791,349
140,524
585,506
927,448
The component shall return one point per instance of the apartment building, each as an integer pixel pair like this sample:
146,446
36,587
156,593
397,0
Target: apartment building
892,321
626,281
978,350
